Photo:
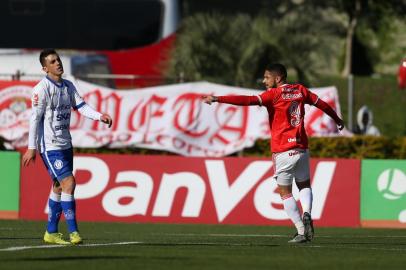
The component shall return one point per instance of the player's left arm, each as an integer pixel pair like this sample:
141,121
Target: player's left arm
84,109
314,100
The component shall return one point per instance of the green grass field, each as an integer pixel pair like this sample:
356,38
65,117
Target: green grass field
163,246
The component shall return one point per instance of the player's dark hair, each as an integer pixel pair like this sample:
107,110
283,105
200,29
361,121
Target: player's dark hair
278,69
44,54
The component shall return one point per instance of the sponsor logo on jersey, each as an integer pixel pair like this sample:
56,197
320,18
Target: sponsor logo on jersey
288,90
58,164
293,139
61,107
292,96
63,116
62,127
35,100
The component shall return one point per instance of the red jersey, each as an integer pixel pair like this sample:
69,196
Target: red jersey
285,105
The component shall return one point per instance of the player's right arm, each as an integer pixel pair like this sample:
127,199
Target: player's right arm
238,100
38,105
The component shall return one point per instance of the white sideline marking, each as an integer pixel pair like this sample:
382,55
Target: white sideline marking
199,243
60,246
283,235
359,248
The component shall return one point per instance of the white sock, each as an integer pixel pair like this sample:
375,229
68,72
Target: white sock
306,200
290,205
65,197
55,197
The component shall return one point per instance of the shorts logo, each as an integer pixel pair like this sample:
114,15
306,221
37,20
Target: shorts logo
293,153
58,164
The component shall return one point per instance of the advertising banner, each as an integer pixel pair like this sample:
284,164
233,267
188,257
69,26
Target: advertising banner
9,184
171,118
171,189
383,193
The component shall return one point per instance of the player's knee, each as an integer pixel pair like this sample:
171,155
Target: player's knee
68,185
284,190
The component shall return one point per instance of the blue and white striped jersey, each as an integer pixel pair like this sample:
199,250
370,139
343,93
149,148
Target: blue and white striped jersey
51,111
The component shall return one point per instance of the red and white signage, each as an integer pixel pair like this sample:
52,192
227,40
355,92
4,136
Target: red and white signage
193,190
171,118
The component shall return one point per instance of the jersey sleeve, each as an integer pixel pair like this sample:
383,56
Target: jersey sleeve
89,112
260,100
76,100
239,100
266,98
310,97
322,105
38,106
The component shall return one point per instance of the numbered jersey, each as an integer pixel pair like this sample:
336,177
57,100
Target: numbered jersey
51,111
285,106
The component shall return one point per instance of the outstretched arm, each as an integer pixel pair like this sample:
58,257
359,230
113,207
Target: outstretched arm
235,100
330,112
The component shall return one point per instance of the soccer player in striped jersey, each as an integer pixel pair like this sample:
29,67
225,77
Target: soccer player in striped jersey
52,101
289,144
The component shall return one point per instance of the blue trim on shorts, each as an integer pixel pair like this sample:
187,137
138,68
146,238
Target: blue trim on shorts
63,176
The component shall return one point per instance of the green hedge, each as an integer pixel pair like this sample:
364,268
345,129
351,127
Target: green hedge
327,147
346,147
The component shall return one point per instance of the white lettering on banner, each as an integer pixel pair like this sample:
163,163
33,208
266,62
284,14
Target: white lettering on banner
266,194
227,196
323,176
166,194
99,176
140,195
184,124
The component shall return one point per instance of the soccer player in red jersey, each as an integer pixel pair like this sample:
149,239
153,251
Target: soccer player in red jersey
289,144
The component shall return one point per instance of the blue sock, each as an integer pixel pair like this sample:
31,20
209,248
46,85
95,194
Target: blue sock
69,211
54,214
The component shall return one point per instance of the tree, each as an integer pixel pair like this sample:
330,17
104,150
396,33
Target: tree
373,13
235,49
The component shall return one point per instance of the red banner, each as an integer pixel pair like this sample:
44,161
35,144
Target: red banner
193,190
171,118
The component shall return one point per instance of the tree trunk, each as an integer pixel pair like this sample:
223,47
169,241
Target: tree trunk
347,70
348,48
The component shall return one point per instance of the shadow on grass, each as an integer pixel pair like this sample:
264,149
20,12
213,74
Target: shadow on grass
371,243
20,238
92,258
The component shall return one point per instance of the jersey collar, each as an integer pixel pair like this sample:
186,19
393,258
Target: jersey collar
57,84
